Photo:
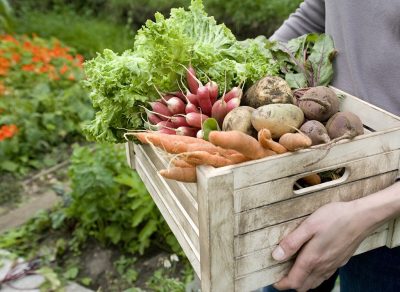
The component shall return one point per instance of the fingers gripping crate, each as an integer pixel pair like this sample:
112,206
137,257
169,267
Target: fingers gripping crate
229,222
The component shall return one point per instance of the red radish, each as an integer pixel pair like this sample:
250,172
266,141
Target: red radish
153,118
167,131
219,111
196,119
233,103
191,108
192,98
161,110
160,125
235,92
204,100
179,94
179,121
213,91
200,134
176,105
192,80
186,131
165,98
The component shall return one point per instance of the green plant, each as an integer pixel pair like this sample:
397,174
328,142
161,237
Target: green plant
41,101
109,201
88,35
7,21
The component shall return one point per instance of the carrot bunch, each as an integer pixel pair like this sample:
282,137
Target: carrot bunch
183,112
224,148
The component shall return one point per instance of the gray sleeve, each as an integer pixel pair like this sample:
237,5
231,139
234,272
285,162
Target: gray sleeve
309,17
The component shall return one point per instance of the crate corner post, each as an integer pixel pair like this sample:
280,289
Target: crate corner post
216,224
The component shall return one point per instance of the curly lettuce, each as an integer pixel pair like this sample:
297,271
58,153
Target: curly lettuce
122,85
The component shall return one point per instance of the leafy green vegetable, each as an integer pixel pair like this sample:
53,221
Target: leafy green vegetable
307,60
122,84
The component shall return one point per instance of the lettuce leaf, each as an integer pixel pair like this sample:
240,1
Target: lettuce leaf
122,85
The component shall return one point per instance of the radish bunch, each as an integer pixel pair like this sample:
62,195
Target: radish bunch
180,113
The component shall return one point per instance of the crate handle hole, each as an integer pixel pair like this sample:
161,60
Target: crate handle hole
328,178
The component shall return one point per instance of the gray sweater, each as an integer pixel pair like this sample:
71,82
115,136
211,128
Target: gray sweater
367,36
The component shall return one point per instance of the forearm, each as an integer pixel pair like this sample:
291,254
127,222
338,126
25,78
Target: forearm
309,17
379,207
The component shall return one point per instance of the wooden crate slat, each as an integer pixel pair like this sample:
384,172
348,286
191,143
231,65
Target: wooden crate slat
261,278
179,232
162,192
216,230
288,164
161,161
182,194
262,259
372,116
282,189
300,206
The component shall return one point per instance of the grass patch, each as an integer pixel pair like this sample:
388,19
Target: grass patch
87,35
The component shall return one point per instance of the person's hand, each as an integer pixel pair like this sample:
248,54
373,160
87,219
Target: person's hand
326,240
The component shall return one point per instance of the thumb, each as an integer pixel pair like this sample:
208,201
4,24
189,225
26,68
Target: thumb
292,242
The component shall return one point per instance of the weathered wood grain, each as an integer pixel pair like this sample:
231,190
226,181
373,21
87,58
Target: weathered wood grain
262,259
300,206
180,191
282,189
130,154
215,195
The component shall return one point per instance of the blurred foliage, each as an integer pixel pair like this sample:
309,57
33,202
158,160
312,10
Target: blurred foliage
246,18
87,35
6,17
110,202
42,102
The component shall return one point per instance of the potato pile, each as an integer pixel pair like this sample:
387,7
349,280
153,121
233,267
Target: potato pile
270,104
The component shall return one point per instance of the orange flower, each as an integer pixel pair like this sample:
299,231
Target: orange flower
16,57
71,77
29,67
64,69
8,131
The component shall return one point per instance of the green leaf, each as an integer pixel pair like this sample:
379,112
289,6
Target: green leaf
52,282
114,233
321,60
209,125
9,166
71,273
296,80
85,281
148,230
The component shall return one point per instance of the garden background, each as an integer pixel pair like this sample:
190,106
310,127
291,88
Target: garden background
104,231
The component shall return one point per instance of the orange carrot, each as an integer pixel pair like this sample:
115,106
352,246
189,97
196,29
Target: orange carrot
179,162
312,179
265,139
180,144
295,141
240,142
203,157
182,174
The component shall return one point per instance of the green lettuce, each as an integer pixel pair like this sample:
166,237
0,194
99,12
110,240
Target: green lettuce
122,85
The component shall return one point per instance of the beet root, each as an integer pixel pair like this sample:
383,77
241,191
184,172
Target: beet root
316,131
319,103
344,124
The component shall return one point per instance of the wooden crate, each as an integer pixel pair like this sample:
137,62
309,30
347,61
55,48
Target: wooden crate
229,222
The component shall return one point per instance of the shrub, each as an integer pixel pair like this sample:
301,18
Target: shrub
110,202
41,100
